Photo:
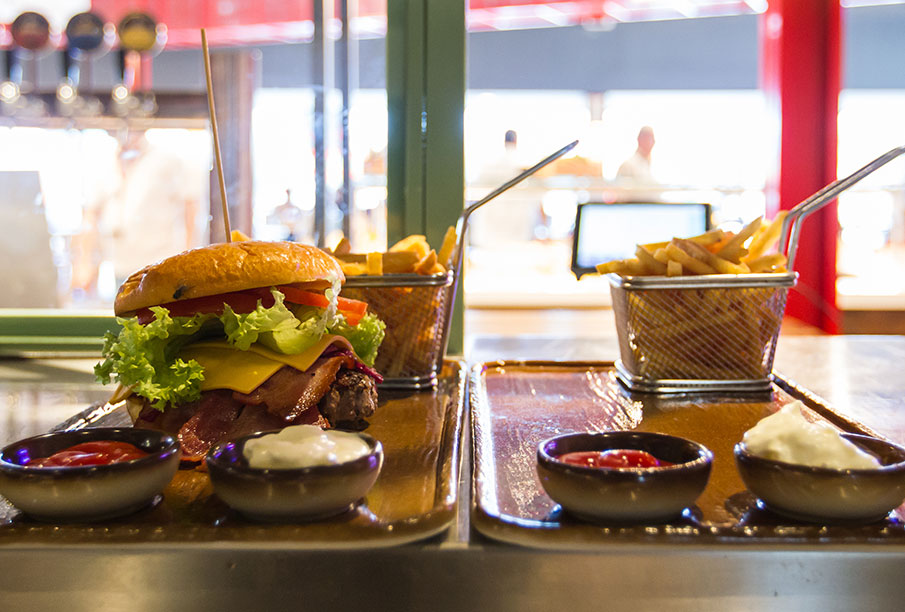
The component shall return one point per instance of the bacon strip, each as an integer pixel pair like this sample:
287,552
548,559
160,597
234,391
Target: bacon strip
170,420
257,418
289,393
220,417
217,411
289,397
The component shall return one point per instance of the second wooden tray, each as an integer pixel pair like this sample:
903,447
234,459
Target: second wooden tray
517,405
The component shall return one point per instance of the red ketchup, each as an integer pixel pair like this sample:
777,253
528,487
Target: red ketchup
102,452
614,458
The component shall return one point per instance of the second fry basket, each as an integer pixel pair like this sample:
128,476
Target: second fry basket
714,332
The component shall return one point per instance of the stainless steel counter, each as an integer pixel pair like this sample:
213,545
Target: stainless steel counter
460,569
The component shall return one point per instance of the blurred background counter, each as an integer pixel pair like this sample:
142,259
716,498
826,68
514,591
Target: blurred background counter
306,94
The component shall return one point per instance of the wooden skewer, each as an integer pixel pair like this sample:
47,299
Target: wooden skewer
210,105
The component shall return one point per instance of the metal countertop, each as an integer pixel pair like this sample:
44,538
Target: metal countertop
460,569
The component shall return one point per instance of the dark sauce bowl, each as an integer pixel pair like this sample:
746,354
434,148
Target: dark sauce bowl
87,493
828,495
624,495
291,494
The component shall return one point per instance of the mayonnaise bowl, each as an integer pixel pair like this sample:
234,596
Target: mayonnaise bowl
316,490
825,494
788,436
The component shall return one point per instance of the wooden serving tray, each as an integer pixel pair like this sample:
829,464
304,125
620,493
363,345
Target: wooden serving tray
516,405
414,497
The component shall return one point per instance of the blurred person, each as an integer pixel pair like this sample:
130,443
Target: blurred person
154,210
637,168
291,219
510,138
512,216
29,278
505,166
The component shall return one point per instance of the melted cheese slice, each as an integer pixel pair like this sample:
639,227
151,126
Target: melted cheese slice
228,368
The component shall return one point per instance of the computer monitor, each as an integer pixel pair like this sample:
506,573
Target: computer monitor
604,232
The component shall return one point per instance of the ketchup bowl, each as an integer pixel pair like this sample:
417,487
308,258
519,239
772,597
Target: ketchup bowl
828,495
289,493
635,490
92,490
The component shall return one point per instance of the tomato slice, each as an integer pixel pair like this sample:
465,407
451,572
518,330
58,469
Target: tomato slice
310,298
351,318
356,306
239,301
246,301
305,298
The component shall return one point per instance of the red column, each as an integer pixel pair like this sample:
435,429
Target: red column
801,76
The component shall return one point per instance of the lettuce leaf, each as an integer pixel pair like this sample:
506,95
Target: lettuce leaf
243,330
291,332
365,337
145,357
310,326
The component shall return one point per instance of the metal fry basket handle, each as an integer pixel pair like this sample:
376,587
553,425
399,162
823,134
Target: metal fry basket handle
791,225
462,225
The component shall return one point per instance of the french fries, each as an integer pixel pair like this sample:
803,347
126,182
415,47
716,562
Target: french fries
734,250
723,266
446,249
625,267
767,263
344,247
393,263
706,239
375,264
415,243
767,237
410,255
713,252
647,259
689,262
427,263
352,268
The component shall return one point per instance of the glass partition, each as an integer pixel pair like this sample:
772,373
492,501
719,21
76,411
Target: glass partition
96,186
688,87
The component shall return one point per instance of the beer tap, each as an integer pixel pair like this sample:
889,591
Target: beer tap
140,37
87,38
30,33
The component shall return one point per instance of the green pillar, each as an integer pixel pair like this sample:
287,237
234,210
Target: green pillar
426,103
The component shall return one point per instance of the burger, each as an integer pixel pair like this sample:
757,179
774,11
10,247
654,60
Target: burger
239,337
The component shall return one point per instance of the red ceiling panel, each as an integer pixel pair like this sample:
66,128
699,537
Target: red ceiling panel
233,22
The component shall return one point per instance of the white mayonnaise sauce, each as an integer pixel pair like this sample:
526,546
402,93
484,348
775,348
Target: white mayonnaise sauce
301,446
788,436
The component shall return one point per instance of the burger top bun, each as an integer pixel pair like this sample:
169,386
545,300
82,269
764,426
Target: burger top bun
226,267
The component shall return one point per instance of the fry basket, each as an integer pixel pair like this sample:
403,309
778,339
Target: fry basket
416,310
715,332
704,333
